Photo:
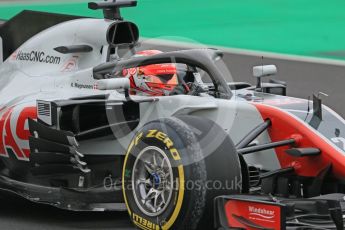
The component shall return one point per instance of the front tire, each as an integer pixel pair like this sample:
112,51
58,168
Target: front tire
167,170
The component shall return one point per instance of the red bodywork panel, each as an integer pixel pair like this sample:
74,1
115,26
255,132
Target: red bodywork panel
243,214
9,137
286,126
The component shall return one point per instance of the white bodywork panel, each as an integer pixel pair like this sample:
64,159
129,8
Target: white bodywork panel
57,76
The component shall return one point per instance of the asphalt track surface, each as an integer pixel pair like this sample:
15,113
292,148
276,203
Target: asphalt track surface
303,78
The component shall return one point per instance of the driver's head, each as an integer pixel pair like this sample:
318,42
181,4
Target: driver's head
152,80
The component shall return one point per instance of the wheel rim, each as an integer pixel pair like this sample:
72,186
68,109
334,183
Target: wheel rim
152,181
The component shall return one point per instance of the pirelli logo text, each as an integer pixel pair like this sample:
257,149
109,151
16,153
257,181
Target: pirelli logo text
36,56
143,223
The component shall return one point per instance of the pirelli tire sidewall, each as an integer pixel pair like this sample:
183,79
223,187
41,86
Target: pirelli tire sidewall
184,152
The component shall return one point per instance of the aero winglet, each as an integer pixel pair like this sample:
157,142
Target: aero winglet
303,152
111,9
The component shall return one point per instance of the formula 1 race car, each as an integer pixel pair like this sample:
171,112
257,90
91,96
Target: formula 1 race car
216,154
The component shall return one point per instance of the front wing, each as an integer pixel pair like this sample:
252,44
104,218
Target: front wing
267,212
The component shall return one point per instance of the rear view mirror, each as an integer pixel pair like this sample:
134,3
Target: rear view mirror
264,70
113,84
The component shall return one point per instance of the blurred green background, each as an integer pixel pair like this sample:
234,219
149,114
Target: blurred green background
301,27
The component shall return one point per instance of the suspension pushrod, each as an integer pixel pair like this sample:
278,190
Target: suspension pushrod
262,147
252,135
